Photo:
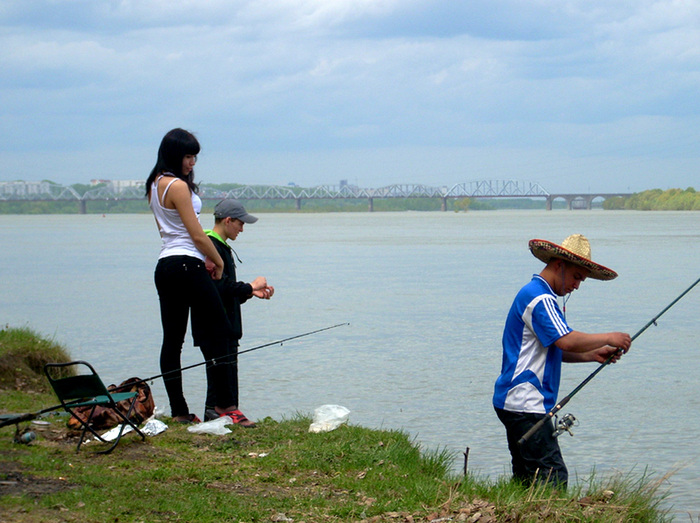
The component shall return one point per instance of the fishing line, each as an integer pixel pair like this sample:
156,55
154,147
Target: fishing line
566,399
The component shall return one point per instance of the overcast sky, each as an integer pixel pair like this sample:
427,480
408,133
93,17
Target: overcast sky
577,95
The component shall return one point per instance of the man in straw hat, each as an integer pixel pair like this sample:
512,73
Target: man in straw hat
536,340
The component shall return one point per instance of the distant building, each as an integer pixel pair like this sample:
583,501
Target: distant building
20,188
119,185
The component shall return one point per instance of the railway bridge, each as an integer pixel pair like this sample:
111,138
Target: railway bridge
119,190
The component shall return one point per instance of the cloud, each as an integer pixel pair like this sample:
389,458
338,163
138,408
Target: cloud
359,85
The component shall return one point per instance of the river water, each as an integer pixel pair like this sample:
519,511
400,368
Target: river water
425,296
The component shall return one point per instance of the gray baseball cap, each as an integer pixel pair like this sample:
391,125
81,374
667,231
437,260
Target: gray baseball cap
233,209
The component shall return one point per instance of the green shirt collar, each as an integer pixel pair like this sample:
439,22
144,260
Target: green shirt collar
214,234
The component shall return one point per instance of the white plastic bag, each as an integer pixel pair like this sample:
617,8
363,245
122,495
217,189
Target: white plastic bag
216,426
151,428
112,433
328,417
154,427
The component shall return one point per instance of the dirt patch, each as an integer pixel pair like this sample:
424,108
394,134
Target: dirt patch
16,481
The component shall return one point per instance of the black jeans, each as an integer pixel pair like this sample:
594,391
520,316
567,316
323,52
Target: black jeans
539,458
184,285
232,360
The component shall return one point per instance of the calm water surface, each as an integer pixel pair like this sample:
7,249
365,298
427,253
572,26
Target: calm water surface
425,295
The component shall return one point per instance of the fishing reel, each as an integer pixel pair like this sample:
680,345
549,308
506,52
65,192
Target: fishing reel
567,421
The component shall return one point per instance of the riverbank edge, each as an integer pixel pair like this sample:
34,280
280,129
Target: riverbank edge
276,472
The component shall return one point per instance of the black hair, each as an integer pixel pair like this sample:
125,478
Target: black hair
176,144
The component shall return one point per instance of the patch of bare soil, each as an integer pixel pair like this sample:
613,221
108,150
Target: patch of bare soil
15,481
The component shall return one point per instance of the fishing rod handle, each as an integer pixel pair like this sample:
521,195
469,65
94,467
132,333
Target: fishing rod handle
18,419
537,426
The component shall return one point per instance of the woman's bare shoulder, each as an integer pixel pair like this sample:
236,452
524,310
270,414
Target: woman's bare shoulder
177,189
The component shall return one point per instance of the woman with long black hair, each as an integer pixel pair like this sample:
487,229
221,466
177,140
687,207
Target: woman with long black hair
182,279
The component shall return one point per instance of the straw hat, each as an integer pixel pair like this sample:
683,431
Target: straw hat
574,249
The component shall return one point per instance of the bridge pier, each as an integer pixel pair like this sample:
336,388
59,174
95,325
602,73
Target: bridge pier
443,204
371,204
82,206
297,204
580,200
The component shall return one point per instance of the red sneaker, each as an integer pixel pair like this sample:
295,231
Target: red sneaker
238,418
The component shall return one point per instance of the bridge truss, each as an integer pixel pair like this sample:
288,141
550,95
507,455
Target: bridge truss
476,189
15,191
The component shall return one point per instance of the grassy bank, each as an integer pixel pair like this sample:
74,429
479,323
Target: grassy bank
278,471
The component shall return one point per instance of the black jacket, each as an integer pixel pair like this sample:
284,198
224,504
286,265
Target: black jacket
232,292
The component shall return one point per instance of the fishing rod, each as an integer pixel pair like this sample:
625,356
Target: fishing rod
15,419
6,420
213,360
566,424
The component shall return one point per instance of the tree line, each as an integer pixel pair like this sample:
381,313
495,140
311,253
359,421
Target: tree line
657,200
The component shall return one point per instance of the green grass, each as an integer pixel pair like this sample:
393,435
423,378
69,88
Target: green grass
23,354
278,471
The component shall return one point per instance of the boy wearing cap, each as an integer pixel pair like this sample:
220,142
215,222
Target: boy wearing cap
536,340
229,219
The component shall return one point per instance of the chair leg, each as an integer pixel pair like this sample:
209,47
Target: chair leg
127,421
116,441
86,427
128,415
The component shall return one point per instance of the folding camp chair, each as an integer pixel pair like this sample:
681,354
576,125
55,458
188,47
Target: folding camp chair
87,389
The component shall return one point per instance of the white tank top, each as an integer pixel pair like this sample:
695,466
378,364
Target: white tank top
175,240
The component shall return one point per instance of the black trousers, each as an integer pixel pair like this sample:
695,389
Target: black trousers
232,360
539,458
185,286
